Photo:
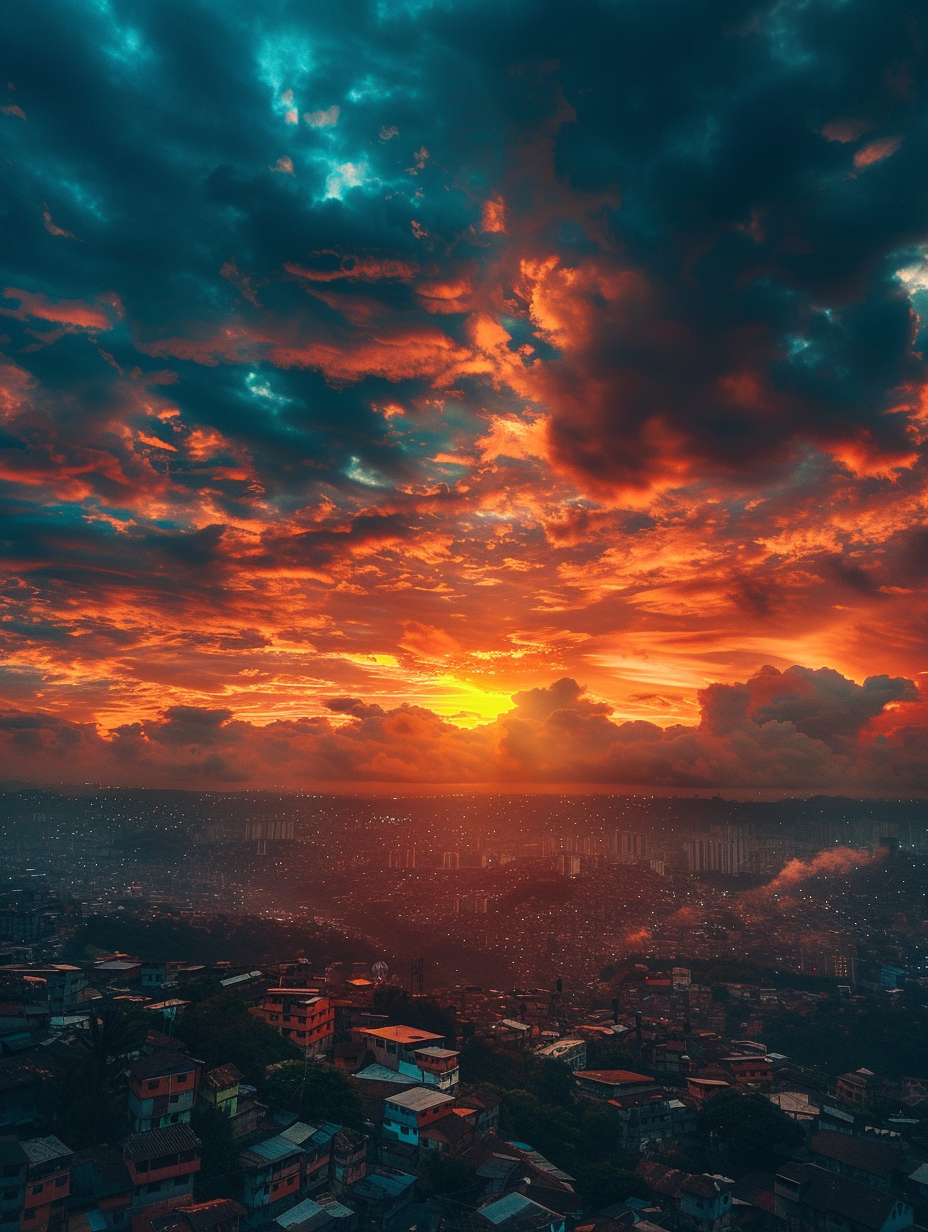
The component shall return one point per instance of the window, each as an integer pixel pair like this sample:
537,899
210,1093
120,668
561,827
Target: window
10,1193
60,1180
179,1180
9,1217
37,1189
11,1170
182,1078
153,1187
153,1085
175,1099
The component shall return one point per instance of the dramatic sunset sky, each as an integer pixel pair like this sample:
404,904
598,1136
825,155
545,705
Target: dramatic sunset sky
471,391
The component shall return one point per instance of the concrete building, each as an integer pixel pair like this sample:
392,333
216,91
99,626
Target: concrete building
162,1090
13,1164
417,1055
808,1198
570,1052
304,1015
612,1083
647,1115
315,1141
863,1088
162,1163
407,1112
220,1088
515,1212
48,1184
271,1177
101,1190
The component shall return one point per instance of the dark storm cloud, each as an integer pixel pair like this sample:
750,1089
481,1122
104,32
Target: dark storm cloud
763,308
813,735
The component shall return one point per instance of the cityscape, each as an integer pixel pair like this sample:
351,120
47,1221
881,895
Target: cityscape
464,616
341,1012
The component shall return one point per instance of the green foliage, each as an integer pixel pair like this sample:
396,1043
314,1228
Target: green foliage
249,939
600,1130
314,1091
549,1128
552,1082
604,1184
449,1177
835,1036
482,1064
608,1054
198,987
423,1015
86,1102
752,1129
219,1152
221,1029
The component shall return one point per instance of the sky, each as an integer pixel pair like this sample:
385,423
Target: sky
464,392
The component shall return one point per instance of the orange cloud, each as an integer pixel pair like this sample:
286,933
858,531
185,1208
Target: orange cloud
876,151
66,311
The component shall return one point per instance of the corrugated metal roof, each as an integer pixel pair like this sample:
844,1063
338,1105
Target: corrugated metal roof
153,1143
44,1150
271,1150
504,1208
306,1210
418,1099
380,1073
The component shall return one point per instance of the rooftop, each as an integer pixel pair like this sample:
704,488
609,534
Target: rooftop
613,1077
306,1210
223,1077
153,1143
380,1073
403,1035
161,1064
877,1158
419,1099
518,1211
44,1150
269,1151
823,1191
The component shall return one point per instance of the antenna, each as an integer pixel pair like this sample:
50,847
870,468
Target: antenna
418,974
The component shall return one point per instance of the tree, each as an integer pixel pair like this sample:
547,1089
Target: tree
604,1184
553,1082
221,1030
752,1129
314,1091
600,1130
607,1054
549,1128
87,1101
218,1150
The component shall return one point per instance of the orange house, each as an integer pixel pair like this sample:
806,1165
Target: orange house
303,1015
48,1183
162,1163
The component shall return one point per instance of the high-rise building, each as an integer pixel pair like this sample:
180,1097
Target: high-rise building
629,847
709,855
